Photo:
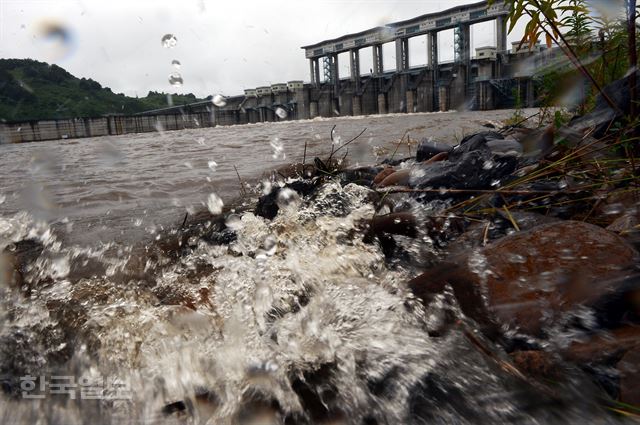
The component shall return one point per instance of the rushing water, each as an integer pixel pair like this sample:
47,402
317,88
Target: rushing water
294,321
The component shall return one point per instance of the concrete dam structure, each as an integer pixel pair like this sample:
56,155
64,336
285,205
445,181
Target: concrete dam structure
496,76
492,78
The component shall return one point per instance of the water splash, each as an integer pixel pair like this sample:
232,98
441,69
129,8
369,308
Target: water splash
214,204
278,148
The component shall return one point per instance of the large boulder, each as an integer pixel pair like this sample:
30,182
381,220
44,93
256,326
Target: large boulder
427,148
529,279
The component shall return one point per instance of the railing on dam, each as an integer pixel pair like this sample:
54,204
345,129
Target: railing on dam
34,131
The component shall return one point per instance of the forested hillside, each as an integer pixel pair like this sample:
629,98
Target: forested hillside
32,90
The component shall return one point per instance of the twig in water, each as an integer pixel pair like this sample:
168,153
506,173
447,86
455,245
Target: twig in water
304,155
185,219
347,143
510,217
242,190
519,122
333,143
398,145
485,234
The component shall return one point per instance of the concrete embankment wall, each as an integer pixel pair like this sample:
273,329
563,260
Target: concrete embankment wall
35,131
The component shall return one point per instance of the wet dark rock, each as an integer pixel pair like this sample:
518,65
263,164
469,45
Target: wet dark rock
267,206
465,169
402,223
487,135
18,259
433,395
316,392
428,148
383,174
222,237
477,234
536,363
603,115
395,162
19,356
363,176
505,147
604,347
629,370
397,178
529,279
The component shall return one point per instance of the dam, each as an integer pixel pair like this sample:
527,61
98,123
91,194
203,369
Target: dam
496,76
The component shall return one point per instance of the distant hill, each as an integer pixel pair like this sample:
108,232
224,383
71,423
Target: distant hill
31,90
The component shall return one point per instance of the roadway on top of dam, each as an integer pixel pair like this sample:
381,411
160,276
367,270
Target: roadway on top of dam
423,24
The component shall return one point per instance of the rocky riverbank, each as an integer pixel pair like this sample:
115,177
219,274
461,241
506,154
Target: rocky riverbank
493,281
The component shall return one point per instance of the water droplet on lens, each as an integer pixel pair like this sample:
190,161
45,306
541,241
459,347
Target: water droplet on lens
214,204
266,187
212,165
175,79
614,209
56,39
233,222
278,149
219,100
176,64
281,113
270,245
287,198
169,41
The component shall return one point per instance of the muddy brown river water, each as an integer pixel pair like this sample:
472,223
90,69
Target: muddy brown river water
118,188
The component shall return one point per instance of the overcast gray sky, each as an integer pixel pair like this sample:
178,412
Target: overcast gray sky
223,46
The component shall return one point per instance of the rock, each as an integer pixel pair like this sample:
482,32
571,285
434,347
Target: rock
395,162
442,156
386,172
487,135
267,205
465,169
364,176
603,347
16,263
602,115
498,226
629,370
538,364
528,279
428,148
397,178
470,165
505,147
296,170
402,223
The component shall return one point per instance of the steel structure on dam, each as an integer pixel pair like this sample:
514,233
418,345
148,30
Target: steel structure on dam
429,88
490,78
